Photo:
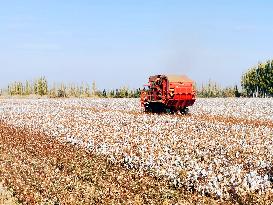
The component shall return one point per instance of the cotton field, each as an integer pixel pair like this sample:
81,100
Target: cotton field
223,147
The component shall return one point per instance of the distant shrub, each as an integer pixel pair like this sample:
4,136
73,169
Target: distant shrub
61,93
212,89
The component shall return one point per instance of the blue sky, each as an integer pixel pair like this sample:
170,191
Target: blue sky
122,42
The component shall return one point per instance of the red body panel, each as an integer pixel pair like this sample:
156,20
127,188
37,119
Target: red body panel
174,92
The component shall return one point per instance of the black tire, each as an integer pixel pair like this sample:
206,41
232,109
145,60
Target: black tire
172,110
167,110
184,111
147,109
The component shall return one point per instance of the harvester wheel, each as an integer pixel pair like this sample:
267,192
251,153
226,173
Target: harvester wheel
184,111
168,110
172,110
148,108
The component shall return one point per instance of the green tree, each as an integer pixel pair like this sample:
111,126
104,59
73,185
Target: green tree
42,86
27,88
104,94
87,90
111,94
123,92
258,81
236,92
94,88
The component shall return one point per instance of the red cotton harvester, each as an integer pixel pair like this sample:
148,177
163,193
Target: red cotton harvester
168,93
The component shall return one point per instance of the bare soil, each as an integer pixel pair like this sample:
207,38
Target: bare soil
6,197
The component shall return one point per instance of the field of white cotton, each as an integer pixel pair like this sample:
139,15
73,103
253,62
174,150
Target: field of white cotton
222,145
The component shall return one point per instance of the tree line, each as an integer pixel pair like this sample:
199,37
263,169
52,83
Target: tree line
37,87
40,87
258,80
212,89
255,82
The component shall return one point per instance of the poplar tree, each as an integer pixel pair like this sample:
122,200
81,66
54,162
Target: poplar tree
258,81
